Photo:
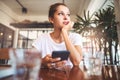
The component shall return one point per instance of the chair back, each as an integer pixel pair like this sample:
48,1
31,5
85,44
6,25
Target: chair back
4,55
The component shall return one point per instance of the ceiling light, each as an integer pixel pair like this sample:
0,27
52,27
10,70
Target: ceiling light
1,33
24,10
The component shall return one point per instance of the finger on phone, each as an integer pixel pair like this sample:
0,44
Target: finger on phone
56,59
61,63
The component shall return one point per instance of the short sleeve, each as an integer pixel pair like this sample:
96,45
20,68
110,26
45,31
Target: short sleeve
76,39
37,43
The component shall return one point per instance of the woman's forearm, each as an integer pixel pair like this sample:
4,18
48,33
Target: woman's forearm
75,51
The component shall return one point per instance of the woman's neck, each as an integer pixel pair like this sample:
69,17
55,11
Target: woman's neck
57,37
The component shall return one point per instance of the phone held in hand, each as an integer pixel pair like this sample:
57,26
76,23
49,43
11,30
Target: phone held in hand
62,54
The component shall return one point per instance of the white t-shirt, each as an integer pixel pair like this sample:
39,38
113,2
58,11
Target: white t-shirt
45,44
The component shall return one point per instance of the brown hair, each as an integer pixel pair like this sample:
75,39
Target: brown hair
53,9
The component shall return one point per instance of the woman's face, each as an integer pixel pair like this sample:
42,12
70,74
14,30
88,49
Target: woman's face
61,17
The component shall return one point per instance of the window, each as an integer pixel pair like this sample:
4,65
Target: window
26,37
6,37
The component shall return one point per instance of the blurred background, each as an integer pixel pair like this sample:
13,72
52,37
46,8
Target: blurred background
22,21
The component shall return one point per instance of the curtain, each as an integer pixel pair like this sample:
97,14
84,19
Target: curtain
117,13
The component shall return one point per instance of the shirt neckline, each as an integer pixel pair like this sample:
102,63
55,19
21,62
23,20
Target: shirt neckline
53,40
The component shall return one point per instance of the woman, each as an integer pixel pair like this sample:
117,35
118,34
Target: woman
60,38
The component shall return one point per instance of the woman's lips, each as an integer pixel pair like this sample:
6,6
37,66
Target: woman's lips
66,22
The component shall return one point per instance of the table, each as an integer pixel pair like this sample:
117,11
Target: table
109,72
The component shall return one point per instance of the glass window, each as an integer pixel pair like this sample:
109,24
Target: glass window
23,34
30,43
26,37
22,44
6,36
32,35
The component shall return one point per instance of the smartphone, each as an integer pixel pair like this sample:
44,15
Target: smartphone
62,54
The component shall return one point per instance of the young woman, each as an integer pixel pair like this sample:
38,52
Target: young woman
60,39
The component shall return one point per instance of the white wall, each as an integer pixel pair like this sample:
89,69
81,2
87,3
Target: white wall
6,17
95,5
117,13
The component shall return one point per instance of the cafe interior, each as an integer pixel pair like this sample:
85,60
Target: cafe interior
22,21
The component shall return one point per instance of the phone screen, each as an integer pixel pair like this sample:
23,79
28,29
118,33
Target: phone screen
62,54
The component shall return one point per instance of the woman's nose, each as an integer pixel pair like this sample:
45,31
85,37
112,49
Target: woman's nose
65,17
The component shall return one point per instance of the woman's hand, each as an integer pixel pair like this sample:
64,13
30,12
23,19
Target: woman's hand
68,26
50,62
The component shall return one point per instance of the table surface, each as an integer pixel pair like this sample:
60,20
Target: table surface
109,72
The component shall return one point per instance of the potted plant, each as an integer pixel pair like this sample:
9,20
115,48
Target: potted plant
105,30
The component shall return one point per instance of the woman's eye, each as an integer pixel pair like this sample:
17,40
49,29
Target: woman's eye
60,14
63,14
68,14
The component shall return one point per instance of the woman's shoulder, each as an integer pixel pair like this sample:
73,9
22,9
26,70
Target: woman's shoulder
74,34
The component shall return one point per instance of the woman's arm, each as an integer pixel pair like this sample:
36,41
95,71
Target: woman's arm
75,51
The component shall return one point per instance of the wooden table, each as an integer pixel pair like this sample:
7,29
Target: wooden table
109,72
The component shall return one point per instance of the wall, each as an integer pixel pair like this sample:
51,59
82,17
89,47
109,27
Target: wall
6,17
117,12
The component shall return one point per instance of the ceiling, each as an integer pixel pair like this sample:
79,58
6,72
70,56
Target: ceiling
38,8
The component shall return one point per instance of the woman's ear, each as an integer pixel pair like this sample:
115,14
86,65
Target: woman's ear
51,20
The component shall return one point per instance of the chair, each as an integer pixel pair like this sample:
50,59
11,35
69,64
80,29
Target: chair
4,56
